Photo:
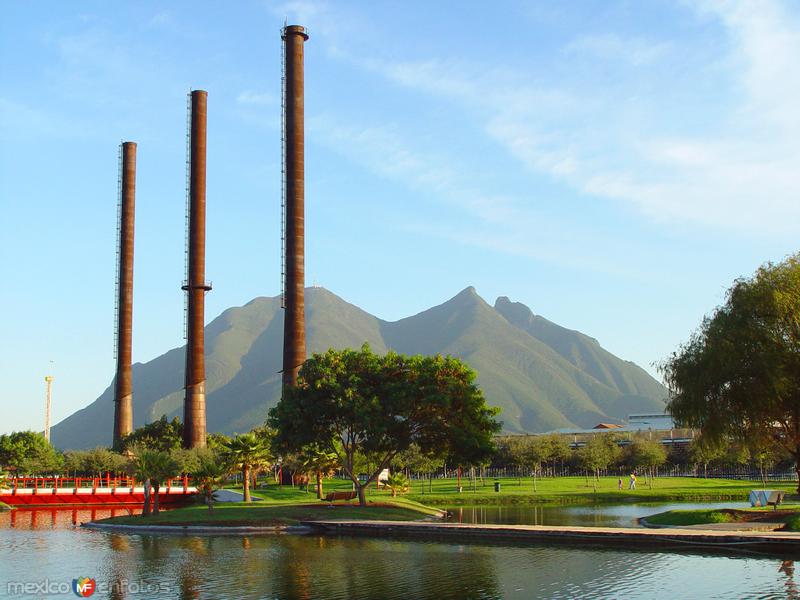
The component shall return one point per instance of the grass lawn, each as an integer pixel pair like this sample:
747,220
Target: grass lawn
786,514
283,506
576,490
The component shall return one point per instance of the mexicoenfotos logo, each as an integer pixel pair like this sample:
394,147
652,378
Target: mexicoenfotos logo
84,587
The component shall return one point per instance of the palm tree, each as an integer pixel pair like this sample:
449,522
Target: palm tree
164,467
141,468
209,476
248,451
319,462
397,483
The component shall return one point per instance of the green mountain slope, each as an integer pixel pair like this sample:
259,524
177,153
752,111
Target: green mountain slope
542,375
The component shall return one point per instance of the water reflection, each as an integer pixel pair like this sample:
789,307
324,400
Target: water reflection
308,567
58,518
594,515
787,567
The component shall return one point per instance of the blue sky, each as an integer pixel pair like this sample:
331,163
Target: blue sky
613,165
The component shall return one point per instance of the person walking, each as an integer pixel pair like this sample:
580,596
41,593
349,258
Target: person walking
632,485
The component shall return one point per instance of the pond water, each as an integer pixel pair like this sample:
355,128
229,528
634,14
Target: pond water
593,515
48,552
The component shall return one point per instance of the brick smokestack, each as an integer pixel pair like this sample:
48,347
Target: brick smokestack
123,382
194,405
294,328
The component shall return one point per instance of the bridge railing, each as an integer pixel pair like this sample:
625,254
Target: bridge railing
14,484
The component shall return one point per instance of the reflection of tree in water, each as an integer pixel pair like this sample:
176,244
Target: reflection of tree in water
454,571
119,566
787,567
364,568
189,581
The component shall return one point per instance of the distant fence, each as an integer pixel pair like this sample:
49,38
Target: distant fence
743,473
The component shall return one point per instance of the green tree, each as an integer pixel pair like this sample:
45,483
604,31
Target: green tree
413,459
248,451
209,476
538,452
597,454
558,449
28,453
164,466
217,442
318,462
161,435
94,462
153,468
355,401
647,454
518,454
739,374
140,466
703,450
764,453
397,483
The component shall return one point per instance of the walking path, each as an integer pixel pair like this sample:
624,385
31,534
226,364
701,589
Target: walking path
613,536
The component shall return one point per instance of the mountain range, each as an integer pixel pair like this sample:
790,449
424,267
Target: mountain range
542,375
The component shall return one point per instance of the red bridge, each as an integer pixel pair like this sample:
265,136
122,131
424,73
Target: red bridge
97,491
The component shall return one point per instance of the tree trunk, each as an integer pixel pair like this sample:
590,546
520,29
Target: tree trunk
146,506
319,485
534,481
362,497
210,499
246,482
156,487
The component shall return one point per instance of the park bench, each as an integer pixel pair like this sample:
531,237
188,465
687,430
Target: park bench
333,496
775,498
766,498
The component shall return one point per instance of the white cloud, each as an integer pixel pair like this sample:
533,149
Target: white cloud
251,98
739,171
635,51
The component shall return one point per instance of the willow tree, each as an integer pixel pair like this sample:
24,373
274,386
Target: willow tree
739,374
354,402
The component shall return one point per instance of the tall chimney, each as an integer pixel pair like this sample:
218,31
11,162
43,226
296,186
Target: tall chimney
294,328
194,405
123,382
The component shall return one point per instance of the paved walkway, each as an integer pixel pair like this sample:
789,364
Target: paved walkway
782,541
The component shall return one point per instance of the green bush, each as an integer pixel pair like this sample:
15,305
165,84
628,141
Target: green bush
793,523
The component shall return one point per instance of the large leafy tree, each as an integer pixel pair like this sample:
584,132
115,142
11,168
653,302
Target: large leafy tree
739,374
95,461
161,434
353,402
28,453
